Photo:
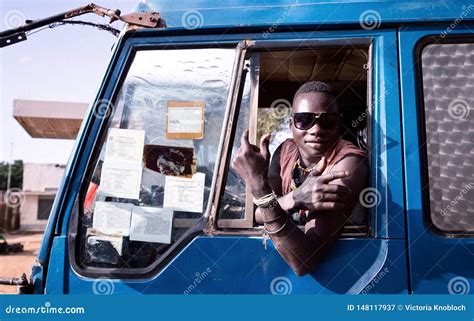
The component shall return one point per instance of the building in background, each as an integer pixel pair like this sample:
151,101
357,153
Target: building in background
40,184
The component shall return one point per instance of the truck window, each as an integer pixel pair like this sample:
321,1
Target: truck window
273,79
152,179
448,85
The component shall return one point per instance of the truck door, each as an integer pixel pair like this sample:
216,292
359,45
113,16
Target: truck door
437,74
150,204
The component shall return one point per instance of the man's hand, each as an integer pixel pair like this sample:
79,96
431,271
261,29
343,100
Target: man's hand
317,194
251,163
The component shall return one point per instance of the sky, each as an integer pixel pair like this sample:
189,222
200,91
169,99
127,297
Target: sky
66,63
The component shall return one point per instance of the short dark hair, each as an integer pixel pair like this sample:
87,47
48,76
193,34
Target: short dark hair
315,87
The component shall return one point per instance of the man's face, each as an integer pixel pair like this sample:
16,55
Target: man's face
316,140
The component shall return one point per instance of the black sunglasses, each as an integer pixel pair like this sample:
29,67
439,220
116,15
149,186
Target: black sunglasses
305,121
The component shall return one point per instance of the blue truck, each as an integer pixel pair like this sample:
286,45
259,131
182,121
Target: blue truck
404,73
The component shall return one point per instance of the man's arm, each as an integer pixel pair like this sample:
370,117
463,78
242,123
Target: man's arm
274,180
304,249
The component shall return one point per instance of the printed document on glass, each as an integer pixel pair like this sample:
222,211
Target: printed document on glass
112,217
185,194
151,224
122,169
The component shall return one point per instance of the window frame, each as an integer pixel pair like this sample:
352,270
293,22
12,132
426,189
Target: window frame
200,225
247,221
423,152
245,226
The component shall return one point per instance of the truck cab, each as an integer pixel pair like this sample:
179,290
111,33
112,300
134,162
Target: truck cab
150,204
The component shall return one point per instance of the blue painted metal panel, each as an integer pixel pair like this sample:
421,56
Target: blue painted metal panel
37,277
56,281
242,265
386,164
434,259
329,13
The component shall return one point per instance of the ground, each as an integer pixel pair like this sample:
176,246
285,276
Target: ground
13,265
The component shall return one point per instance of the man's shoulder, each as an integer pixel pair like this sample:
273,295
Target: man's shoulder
288,143
342,152
346,148
287,149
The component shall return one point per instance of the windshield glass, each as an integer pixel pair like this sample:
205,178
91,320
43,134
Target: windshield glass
152,180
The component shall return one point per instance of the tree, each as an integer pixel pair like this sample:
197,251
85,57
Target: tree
16,175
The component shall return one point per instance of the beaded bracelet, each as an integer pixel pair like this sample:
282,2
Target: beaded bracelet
278,230
274,219
265,201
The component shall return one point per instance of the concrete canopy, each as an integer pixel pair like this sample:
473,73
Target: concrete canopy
49,119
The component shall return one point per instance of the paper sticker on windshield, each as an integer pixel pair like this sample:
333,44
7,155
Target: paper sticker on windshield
151,224
170,160
185,120
185,194
112,217
122,168
124,145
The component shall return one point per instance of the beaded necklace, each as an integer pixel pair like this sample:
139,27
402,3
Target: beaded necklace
298,173
297,179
